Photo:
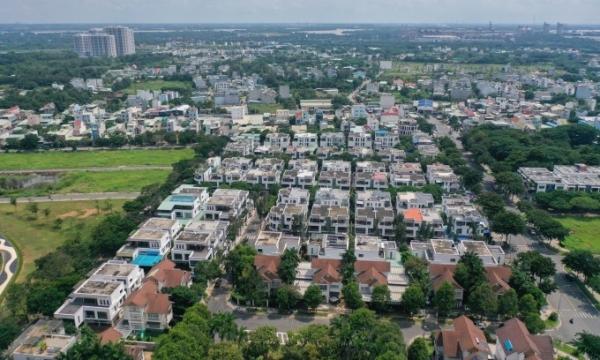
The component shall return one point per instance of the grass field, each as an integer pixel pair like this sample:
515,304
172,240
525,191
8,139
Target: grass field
79,159
37,237
257,108
584,232
154,85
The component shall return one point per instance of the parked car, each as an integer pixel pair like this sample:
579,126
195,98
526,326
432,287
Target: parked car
480,325
570,277
532,232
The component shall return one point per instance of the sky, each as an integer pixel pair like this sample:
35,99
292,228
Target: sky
523,12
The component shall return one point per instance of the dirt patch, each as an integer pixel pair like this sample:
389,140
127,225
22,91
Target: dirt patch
87,213
69,214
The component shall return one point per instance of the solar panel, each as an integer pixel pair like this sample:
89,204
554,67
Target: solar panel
508,345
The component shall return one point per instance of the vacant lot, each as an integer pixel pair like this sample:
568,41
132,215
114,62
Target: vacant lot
80,159
156,85
37,237
584,232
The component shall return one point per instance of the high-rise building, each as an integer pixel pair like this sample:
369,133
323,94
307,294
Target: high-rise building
124,39
560,28
546,28
108,42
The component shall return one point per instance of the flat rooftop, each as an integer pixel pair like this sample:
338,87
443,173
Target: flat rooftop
418,245
268,238
446,247
94,287
159,223
145,234
192,190
191,236
110,269
204,226
367,243
477,247
54,345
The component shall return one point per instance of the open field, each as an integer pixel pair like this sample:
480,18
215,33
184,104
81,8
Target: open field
37,237
155,85
80,159
584,232
259,108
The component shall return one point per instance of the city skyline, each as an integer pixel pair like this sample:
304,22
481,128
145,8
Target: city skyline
304,11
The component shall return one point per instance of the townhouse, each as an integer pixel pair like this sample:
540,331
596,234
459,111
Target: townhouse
340,179
327,246
304,164
150,243
413,200
360,140
407,126
385,139
307,140
465,220
329,219
226,204
466,341
371,180
332,139
407,174
293,196
200,240
361,152
375,221
370,167
445,251
373,199
275,243
332,197
327,152
203,172
374,248
288,217
444,176
266,172
392,155
184,203
337,165
578,177
423,223
278,140
98,299
231,170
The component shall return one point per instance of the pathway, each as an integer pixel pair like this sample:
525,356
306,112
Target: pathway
10,263
92,169
75,197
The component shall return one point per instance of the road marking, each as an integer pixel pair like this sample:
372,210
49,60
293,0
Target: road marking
580,314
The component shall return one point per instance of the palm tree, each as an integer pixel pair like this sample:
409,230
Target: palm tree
242,335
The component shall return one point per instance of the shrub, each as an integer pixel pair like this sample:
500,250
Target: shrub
553,316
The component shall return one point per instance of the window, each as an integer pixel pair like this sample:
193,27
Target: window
153,316
102,315
90,315
361,255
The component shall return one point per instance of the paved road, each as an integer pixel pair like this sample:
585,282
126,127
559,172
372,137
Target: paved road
92,169
75,197
10,263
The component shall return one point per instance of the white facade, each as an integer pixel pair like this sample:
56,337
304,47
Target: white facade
358,111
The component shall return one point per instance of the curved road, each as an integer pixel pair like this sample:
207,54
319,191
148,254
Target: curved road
92,169
10,261
77,197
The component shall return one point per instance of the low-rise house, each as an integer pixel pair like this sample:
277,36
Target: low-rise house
44,340
373,199
203,172
293,196
279,140
337,166
444,176
371,180
361,152
370,167
465,342
327,246
445,251
516,343
231,170
407,126
166,276
147,308
385,139
340,179
578,177
375,221
304,164
392,155
465,220
267,266
360,140
298,178
307,140
266,172
184,203
146,247
226,204
329,219
332,139
199,241
423,222
288,217
332,197
244,147
374,248
275,243
327,152
413,200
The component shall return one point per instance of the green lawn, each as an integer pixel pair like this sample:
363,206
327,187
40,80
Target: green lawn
37,237
258,108
584,232
79,159
155,85
110,181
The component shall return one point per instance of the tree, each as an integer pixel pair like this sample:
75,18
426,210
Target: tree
413,299
89,347
262,342
509,183
182,298
239,260
288,296
13,202
589,344
110,234
313,297
399,230
33,208
583,262
414,266
418,350
223,324
57,223
352,296
482,300
508,303
491,203
548,286
527,304
46,212
108,205
288,265
534,323
207,270
381,297
97,206
508,223
225,350
348,260
470,272
9,330
444,298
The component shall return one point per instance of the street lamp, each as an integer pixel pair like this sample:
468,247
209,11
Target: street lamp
560,299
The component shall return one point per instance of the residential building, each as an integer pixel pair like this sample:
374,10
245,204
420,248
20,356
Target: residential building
166,276
360,140
375,221
337,165
44,340
578,177
374,248
279,140
184,203
465,342
205,170
373,199
330,179
231,170
371,180
370,167
332,197
329,219
445,251
300,178
515,342
466,220
288,217
413,200
401,175
308,140
267,266
423,222
407,126
226,204
146,247
392,155
304,164
327,246
124,39
385,139
275,243
358,111
199,241
267,172
361,152
327,152
332,139
444,176
147,308
102,45
293,196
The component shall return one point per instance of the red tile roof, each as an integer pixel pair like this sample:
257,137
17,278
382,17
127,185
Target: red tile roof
267,266
523,342
148,297
110,335
465,337
326,270
413,214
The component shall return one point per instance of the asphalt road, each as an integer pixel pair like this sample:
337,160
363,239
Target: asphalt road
75,197
92,169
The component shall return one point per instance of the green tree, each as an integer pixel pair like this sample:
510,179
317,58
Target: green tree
534,323
239,260
313,297
182,298
288,297
527,304
444,298
225,350
348,260
207,270
13,202
9,330
399,230
57,223
508,304
89,347
110,234
352,296
508,223
413,299
262,343
288,265
588,344
482,300
46,212
491,203
223,325
381,297
418,350
33,208
470,272
582,262
509,183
